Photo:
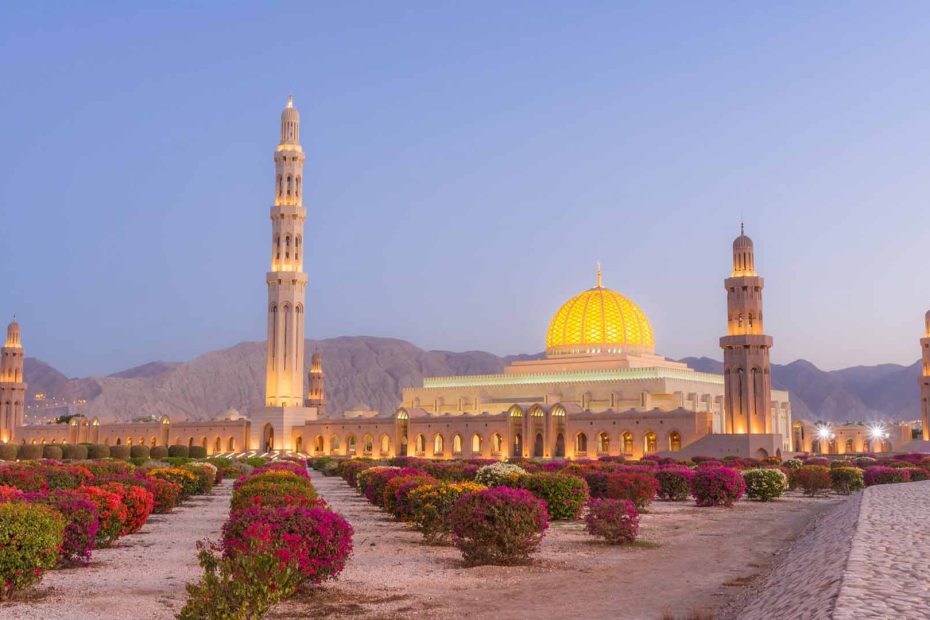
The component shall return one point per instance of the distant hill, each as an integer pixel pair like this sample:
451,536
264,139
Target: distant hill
368,371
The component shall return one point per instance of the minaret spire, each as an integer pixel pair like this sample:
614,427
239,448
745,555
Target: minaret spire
599,274
12,385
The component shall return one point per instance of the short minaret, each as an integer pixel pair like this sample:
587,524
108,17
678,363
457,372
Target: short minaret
317,394
286,281
925,380
747,373
12,386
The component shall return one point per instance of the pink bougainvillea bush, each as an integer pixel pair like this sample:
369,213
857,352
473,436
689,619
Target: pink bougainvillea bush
372,482
885,475
396,491
674,483
81,523
111,512
639,488
615,520
316,540
500,525
812,479
8,493
717,486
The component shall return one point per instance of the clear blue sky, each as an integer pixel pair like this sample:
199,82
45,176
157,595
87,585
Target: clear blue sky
467,164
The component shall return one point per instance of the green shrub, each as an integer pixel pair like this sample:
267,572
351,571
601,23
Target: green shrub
178,450
845,480
138,462
282,492
120,453
331,468
177,461
98,451
71,452
813,479
158,452
565,495
765,484
29,452
139,451
51,452
197,452
8,452
256,461
220,462
319,462
30,537
431,505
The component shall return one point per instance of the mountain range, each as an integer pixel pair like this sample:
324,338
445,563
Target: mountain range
367,372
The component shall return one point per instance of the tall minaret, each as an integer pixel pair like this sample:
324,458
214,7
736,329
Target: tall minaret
286,280
317,393
747,374
12,387
925,379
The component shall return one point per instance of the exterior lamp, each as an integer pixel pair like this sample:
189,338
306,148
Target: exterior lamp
823,432
877,432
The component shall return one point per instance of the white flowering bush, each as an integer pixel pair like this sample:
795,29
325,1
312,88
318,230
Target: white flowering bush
792,463
764,485
499,475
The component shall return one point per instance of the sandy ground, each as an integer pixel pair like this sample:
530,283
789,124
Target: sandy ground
689,560
142,577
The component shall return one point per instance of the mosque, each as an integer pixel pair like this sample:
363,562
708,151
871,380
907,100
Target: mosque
600,390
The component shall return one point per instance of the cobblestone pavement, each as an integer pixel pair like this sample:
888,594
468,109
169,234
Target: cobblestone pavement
888,575
805,583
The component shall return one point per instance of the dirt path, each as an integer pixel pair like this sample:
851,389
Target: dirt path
691,559
143,576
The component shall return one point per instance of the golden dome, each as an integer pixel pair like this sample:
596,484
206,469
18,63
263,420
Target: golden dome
599,320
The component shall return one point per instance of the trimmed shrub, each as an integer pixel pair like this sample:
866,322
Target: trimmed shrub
317,540
98,451
373,481
197,452
565,495
139,451
498,526
813,479
80,531
597,481
8,493
108,468
186,480
8,452
818,460
120,453
269,493
397,490
349,470
138,501
640,489
178,450
765,484
499,475
792,463
864,461
52,452
431,505
65,476
30,537
331,469
25,477
845,480
29,452
111,513
615,520
158,452
885,475
72,452
717,486
164,493
917,474
206,476
674,483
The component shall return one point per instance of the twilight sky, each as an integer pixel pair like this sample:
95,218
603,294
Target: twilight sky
467,165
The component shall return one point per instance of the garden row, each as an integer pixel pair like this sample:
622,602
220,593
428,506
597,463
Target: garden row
54,514
96,451
498,512
279,539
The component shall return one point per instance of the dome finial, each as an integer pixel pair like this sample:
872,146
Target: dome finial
599,274
290,101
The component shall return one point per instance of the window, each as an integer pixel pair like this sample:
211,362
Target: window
581,443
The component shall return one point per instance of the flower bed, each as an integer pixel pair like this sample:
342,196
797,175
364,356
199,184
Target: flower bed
614,520
717,486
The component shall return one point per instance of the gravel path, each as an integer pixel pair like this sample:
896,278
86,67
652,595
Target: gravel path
887,575
691,560
143,576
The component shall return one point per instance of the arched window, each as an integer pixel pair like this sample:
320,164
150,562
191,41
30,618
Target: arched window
297,247
333,444
231,444
119,441
385,444
438,444
560,445
603,443
456,444
299,444
368,444
420,445
476,444
627,439
217,446
318,444
581,443
287,247
674,441
650,444
290,181
298,187
350,444
497,443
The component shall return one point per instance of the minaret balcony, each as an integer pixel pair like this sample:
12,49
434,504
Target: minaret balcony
744,340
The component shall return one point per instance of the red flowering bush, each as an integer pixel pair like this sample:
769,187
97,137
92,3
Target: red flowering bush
674,483
111,513
8,493
396,491
30,537
109,468
597,482
821,461
24,477
66,476
565,495
639,488
164,493
717,486
885,475
273,493
81,523
812,479
373,481
349,470
282,466
138,501
498,525
615,520
316,540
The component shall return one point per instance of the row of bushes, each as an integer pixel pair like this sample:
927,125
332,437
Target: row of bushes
279,539
83,451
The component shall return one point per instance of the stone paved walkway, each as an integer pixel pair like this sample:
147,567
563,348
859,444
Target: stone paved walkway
888,572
